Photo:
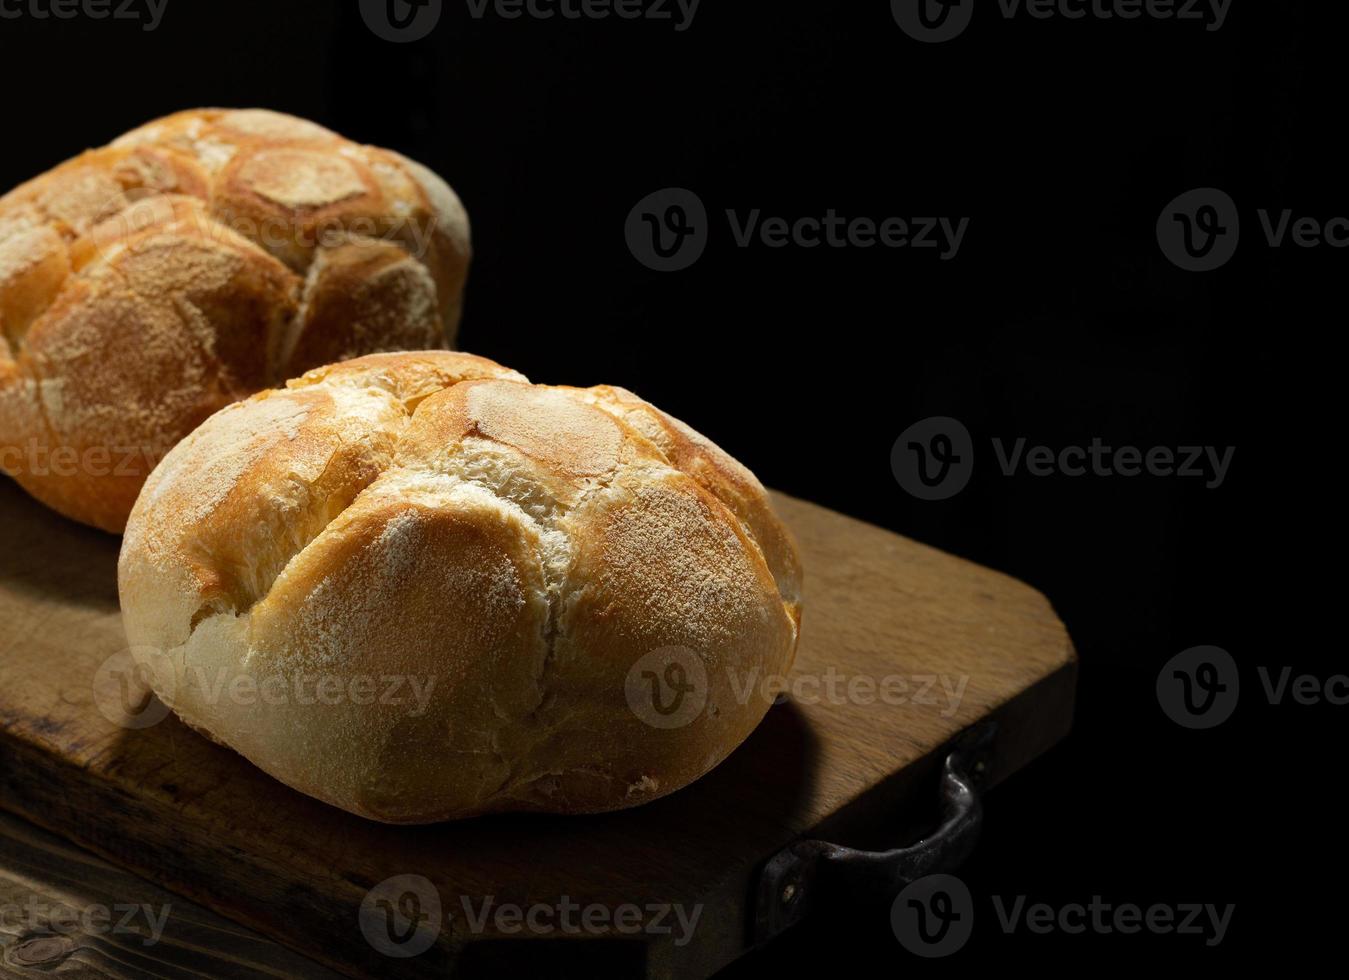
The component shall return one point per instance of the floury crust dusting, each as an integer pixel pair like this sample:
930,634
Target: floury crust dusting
517,549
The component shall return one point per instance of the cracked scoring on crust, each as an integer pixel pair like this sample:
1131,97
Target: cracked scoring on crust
436,517
146,284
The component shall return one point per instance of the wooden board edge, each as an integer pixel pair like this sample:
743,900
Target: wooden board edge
1029,724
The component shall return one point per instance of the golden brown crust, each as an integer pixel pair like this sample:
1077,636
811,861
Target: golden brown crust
191,262
518,549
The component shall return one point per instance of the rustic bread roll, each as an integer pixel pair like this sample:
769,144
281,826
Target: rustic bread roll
192,262
517,553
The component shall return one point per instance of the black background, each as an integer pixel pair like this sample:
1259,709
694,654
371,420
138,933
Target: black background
1060,320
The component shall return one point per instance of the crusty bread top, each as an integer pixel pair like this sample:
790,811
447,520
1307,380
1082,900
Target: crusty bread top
195,260
435,514
278,181
398,419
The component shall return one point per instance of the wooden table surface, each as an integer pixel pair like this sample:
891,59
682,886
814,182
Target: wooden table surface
65,912
199,820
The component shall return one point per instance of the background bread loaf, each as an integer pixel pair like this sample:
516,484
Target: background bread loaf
190,263
517,553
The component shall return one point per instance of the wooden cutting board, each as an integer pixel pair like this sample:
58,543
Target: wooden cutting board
852,759
68,913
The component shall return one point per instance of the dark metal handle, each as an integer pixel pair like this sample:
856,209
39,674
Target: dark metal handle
792,879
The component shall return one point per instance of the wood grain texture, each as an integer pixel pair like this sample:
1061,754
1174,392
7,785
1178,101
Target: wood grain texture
65,912
200,820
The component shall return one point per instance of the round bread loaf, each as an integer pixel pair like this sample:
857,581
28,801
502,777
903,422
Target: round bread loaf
490,577
192,262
